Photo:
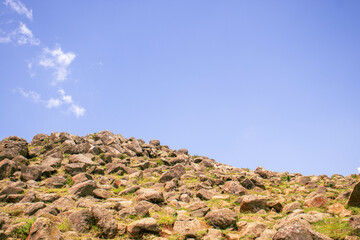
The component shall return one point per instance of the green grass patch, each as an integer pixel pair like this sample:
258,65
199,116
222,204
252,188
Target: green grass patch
65,225
23,231
335,228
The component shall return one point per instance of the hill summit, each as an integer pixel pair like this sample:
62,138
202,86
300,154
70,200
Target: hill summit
105,186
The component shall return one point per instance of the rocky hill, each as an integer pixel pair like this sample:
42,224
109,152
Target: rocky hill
105,186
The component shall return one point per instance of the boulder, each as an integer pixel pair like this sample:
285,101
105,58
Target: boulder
30,173
222,218
82,158
254,229
354,199
81,220
188,227
150,195
83,189
142,208
13,146
316,201
44,229
137,228
295,230
75,168
234,187
55,182
7,168
291,207
33,208
204,194
253,203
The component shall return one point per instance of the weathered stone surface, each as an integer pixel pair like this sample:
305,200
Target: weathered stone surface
7,168
81,158
81,177
253,203
235,188
221,218
204,194
33,208
142,208
81,220
83,189
30,173
55,182
137,228
101,193
354,199
253,229
295,230
188,228
75,168
44,229
316,201
291,207
13,146
150,195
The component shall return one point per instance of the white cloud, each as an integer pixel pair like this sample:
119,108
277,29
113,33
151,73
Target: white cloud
53,103
57,60
77,110
21,35
64,99
33,96
358,169
25,36
19,7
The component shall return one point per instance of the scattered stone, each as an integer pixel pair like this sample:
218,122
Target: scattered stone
137,228
44,229
222,218
81,220
83,189
354,199
253,203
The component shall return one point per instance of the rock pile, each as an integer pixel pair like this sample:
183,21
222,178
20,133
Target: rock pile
105,186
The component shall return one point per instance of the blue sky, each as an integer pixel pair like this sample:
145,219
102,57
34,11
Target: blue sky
248,83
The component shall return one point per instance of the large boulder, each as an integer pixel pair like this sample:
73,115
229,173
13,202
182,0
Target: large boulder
105,220
39,139
82,158
253,203
81,220
13,146
44,229
354,199
7,168
150,195
83,189
137,228
222,218
296,230
316,201
234,187
188,227
30,173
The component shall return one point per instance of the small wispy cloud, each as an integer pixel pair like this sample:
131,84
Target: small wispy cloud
59,61
33,96
25,36
358,169
21,36
63,99
19,7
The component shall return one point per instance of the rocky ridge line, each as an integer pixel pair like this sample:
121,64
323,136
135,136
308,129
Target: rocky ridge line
105,186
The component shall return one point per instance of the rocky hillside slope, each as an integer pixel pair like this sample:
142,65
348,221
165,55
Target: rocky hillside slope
104,186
